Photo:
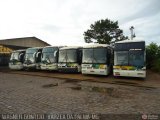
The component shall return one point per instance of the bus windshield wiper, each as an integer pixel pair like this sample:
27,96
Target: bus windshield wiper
94,60
48,60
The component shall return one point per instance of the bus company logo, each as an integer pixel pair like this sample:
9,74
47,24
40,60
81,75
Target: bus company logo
144,117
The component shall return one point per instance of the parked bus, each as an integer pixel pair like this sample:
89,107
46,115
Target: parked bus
33,58
97,59
70,59
17,59
49,58
129,59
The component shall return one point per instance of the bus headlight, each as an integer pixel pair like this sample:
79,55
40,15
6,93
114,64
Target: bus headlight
117,73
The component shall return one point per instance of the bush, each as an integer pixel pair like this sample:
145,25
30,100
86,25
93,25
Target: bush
156,65
153,57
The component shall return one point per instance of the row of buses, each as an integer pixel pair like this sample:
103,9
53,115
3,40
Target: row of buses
125,58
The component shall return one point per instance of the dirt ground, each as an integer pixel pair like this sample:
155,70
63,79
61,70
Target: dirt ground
152,79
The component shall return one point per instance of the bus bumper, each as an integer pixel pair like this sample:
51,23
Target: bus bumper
69,67
49,66
15,66
68,70
95,71
130,73
30,66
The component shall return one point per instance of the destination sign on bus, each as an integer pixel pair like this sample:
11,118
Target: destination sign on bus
134,49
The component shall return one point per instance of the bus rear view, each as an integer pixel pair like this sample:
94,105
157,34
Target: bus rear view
129,59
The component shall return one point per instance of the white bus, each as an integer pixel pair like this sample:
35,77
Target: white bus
129,59
70,59
17,59
97,59
32,58
49,59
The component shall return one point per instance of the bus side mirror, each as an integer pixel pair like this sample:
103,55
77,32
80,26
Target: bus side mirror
34,55
21,57
55,53
37,55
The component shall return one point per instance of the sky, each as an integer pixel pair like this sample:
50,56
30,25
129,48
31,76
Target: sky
63,22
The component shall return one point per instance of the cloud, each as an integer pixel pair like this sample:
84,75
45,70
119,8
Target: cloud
64,21
50,28
148,9
146,28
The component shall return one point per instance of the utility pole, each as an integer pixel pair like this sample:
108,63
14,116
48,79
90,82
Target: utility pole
132,34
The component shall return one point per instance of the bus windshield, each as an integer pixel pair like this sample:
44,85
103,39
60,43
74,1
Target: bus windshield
94,55
69,55
49,58
121,58
32,50
49,55
15,56
133,58
30,55
49,49
136,58
87,55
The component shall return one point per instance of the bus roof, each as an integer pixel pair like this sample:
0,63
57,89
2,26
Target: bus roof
130,41
70,47
22,50
53,46
96,45
35,48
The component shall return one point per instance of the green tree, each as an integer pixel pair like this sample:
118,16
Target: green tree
103,32
153,57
